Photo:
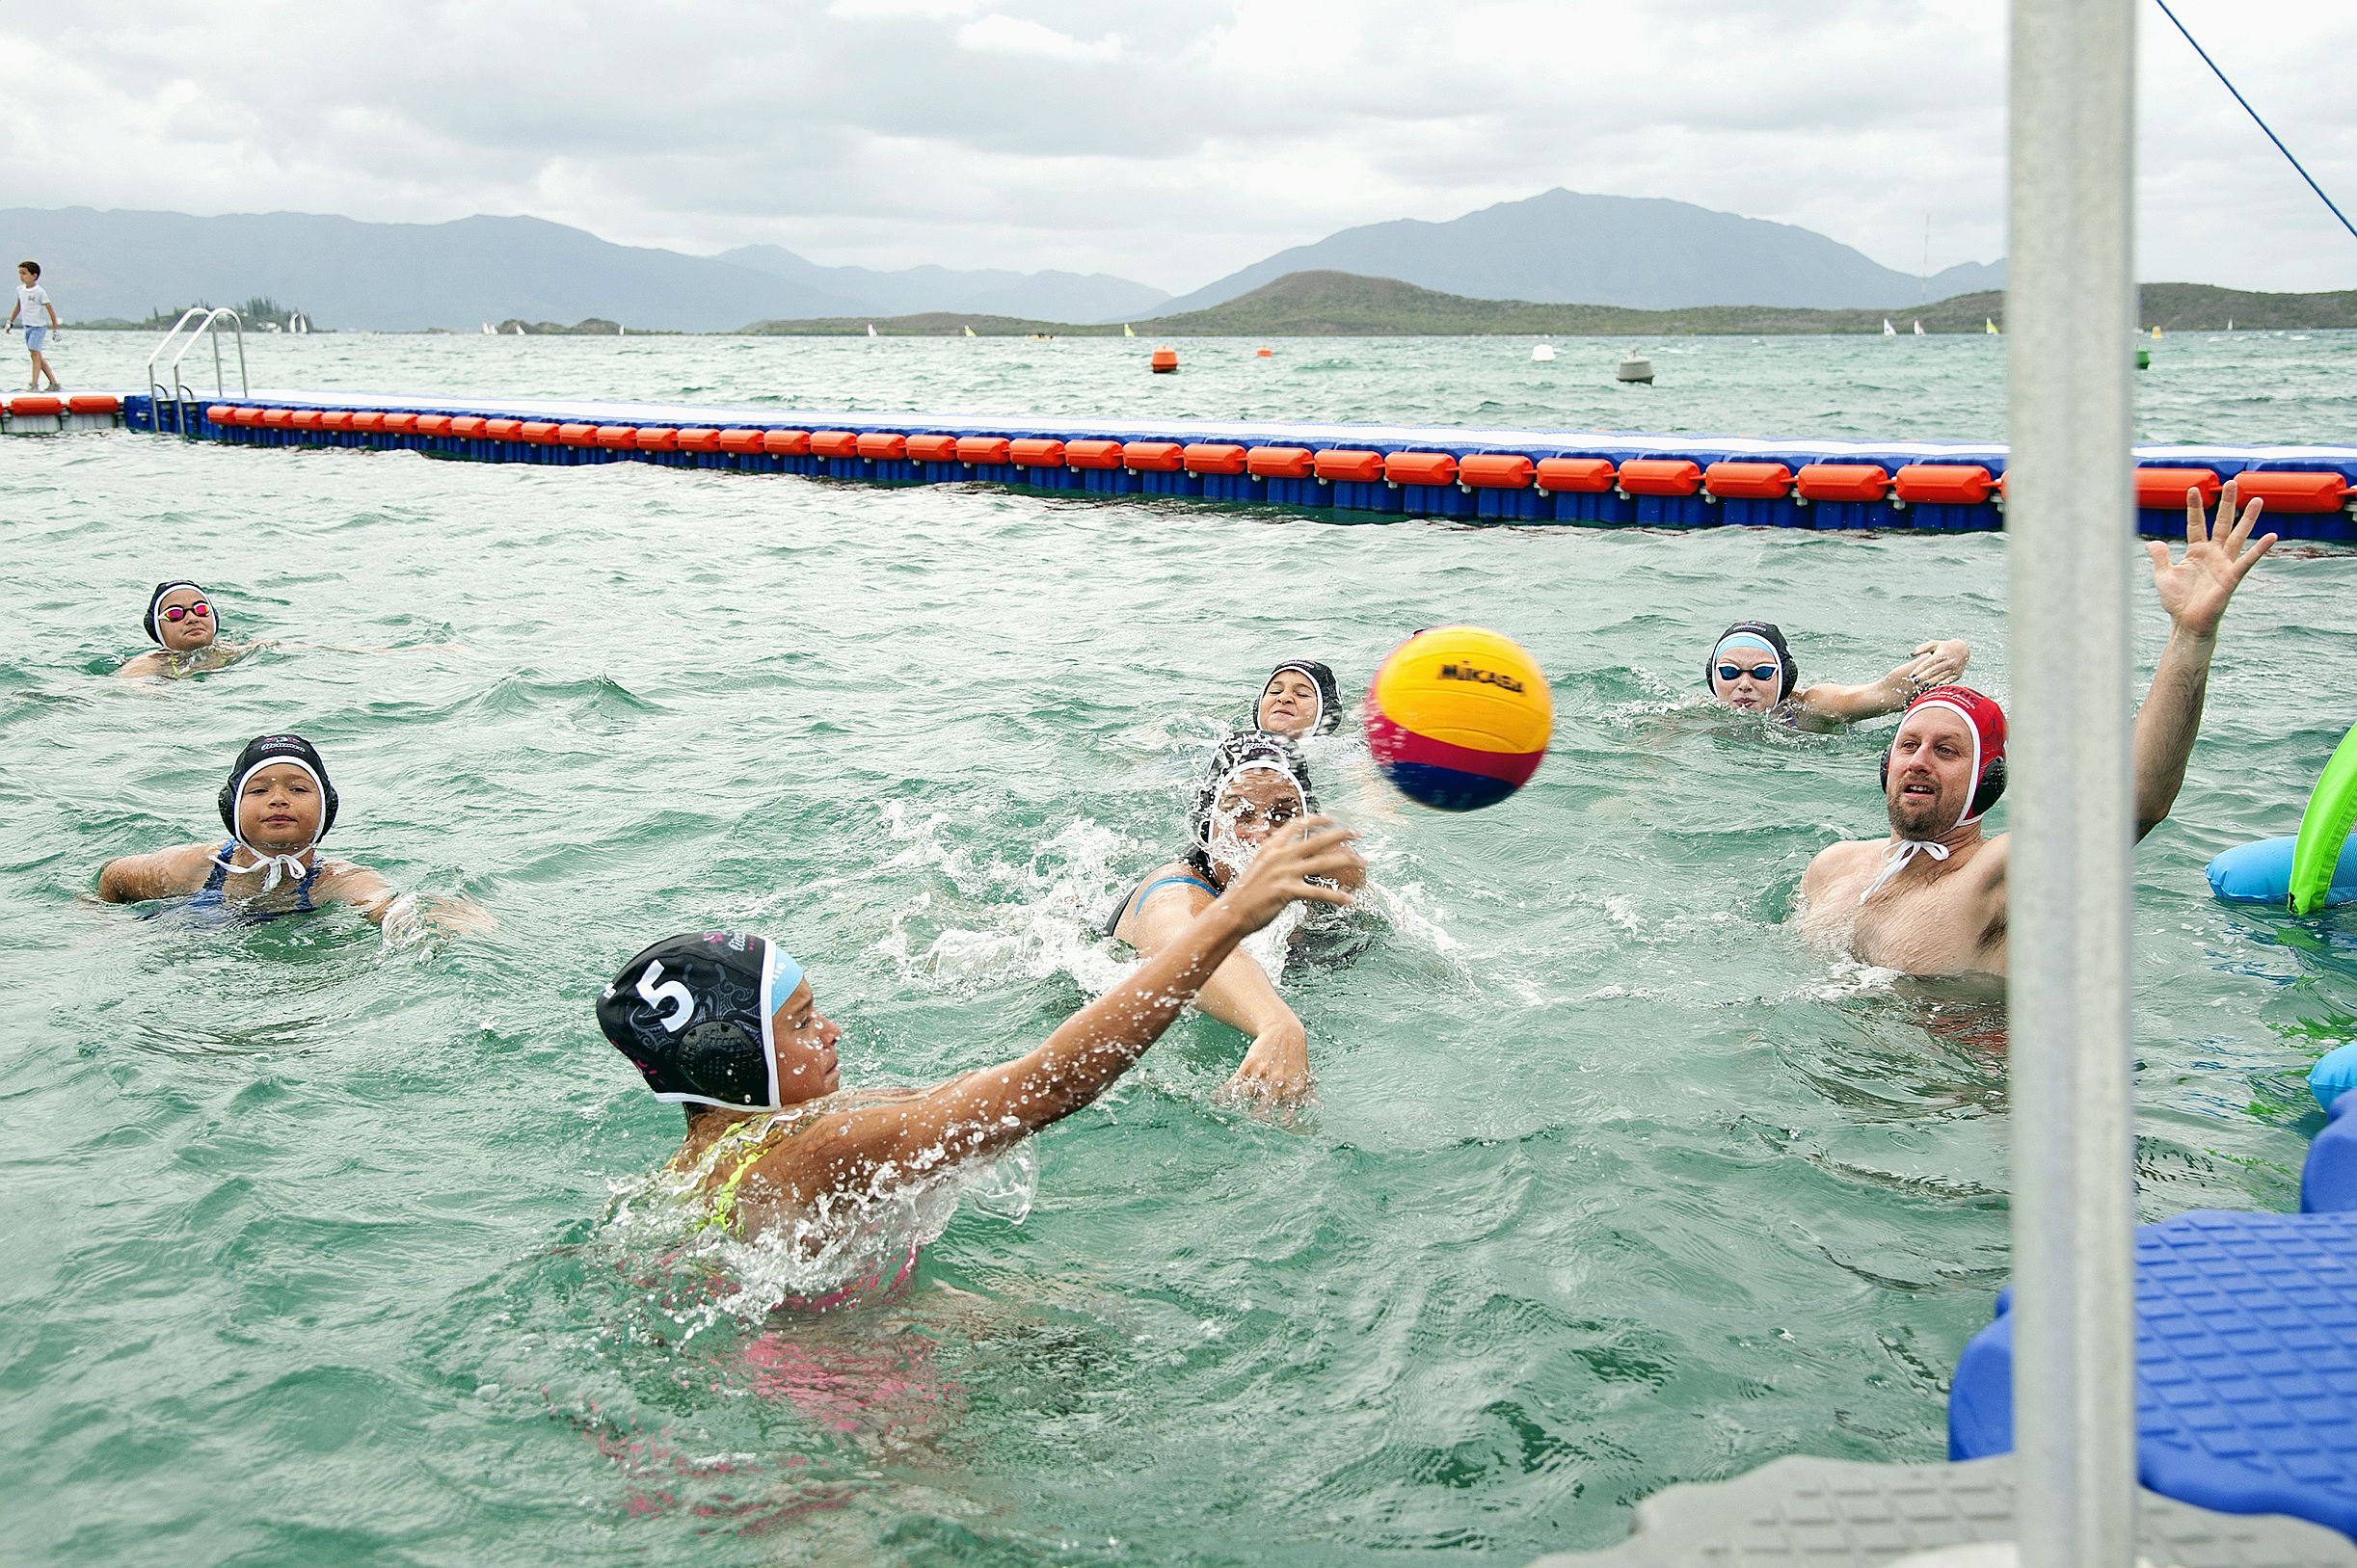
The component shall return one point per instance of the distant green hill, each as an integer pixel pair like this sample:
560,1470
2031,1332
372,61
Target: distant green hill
1345,304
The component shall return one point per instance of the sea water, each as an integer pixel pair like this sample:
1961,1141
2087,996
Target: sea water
321,1249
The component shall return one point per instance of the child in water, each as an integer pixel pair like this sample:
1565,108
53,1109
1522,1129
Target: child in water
277,805
181,618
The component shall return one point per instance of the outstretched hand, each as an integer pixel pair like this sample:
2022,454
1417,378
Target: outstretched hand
1282,869
1937,663
2195,590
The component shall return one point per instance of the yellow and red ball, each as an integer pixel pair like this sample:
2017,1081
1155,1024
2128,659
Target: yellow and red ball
1459,717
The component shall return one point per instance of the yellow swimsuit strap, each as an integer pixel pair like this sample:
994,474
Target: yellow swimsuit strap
752,1138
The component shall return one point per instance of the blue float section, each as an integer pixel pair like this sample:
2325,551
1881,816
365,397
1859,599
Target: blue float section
2246,1354
2261,874
1475,502
2334,1076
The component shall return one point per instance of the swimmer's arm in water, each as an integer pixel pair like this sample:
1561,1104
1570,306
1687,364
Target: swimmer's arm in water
2195,592
167,873
343,882
1239,995
1934,664
983,1113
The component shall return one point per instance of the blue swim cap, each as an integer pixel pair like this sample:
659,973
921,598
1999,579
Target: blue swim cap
692,1013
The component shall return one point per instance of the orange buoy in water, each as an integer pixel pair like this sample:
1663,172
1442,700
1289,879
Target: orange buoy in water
1164,361
1263,353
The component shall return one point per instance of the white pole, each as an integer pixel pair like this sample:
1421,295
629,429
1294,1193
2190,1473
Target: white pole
2069,310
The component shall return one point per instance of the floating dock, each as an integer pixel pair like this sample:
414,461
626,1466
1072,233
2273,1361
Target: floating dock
1505,476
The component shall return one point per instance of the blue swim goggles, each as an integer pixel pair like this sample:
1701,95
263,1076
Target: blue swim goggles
1758,672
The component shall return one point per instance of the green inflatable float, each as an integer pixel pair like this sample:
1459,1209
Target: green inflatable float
2324,829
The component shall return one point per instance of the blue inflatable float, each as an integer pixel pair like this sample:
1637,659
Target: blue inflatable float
2317,868
2261,874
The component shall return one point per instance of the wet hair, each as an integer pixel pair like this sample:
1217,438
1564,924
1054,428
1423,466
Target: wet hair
1247,748
33,267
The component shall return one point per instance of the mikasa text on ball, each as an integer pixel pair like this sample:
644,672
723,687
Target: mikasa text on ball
1459,717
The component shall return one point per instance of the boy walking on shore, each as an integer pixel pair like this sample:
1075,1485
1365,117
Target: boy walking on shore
30,300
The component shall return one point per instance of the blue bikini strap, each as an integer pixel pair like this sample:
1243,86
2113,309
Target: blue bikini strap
219,874
1148,890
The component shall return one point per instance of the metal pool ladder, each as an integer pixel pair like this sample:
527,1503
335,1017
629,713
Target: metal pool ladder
177,394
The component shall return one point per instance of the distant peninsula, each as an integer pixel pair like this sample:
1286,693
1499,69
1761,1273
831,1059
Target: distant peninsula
1345,305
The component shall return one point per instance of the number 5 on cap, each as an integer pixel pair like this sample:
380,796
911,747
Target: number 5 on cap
671,993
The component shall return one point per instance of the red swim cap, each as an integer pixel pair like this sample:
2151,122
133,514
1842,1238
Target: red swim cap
1987,722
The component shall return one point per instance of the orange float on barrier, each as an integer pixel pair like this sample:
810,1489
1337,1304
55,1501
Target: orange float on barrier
882,447
496,430
433,425
218,414
31,404
612,435
655,437
835,444
932,448
272,418
362,419
741,440
786,443
241,414
1279,461
1348,464
1037,452
1660,477
1842,481
1153,457
1949,484
1496,470
1748,481
2163,489
991,450
468,426
1211,456
1582,476
335,419
95,403
1092,454
1164,362
400,424
1420,469
698,438
303,419
2292,490
571,434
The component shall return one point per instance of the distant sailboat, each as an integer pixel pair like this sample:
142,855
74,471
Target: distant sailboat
2230,323
1918,328
619,331
2155,333
1988,325
969,331
299,324
1888,330
519,329
488,331
1125,330
871,329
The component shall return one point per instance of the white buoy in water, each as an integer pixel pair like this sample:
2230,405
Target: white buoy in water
1635,368
1543,351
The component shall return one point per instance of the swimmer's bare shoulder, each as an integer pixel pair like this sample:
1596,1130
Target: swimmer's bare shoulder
165,873
164,666
1950,921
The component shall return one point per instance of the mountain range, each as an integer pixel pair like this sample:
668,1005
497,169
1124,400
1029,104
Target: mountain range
1641,253
1556,248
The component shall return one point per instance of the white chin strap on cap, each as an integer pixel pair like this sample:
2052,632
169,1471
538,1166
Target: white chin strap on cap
275,869
1896,857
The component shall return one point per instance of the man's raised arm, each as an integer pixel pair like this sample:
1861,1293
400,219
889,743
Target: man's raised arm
2195,592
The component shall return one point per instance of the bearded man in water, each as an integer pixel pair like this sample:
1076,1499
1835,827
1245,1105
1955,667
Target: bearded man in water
1931,899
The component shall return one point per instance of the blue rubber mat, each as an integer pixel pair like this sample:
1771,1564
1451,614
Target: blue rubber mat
2246,1366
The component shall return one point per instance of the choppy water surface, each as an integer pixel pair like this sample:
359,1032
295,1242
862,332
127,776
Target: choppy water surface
1610,1182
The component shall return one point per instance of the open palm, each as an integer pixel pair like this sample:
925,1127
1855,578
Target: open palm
2195,590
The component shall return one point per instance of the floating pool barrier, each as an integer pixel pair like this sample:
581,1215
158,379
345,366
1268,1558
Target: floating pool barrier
43,413
1479,475
2312,870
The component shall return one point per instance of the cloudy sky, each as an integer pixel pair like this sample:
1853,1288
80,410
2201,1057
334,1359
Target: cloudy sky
1169,142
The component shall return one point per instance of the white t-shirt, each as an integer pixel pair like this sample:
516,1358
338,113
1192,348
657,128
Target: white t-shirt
32,305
